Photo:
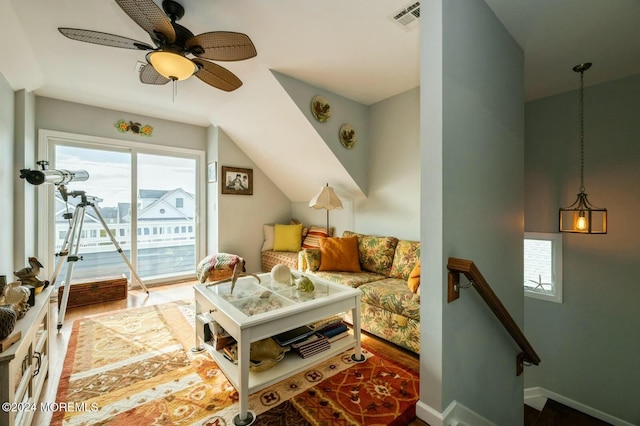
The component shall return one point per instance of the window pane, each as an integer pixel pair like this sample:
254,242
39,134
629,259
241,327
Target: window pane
166,195
538,265
108,189
543,266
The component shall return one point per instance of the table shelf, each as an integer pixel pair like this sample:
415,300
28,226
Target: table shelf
291,364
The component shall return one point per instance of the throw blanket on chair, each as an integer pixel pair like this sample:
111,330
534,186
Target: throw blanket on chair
218,261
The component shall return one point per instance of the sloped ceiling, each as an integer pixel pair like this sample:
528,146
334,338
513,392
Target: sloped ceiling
348,47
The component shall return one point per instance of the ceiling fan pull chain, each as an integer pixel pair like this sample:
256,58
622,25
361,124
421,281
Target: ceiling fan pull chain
175,88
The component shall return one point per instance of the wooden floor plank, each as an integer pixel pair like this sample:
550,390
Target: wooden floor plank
557,414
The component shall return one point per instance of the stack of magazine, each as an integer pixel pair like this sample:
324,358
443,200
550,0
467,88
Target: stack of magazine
312,345
321,340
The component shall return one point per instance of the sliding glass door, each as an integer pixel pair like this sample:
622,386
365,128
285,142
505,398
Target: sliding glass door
149,201
109,190
166,215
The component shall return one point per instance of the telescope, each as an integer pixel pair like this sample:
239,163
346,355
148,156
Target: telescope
56,177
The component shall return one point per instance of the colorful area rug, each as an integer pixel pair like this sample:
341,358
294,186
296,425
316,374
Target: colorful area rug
135,367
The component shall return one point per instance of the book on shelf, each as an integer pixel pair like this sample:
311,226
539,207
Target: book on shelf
339,336
334,330
231,353
308,340
315,345
292,336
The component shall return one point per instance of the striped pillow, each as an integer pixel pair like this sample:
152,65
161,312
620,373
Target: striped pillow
312,240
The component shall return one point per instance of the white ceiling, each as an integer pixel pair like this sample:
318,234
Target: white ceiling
348,47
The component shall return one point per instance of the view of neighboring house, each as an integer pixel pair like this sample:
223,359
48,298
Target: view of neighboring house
164,225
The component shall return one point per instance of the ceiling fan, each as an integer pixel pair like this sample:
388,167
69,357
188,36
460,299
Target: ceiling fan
170,59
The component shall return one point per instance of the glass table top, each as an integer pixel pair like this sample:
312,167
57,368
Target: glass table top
253,297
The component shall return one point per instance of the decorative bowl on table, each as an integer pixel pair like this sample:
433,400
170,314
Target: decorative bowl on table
265,354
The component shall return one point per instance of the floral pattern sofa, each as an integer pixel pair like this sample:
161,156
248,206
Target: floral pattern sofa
389,309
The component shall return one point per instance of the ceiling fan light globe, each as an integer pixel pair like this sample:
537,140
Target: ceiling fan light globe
171,65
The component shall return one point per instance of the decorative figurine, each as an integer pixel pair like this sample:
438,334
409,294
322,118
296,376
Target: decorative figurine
304,284
18,297
29,275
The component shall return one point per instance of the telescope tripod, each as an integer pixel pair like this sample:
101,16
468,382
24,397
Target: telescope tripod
71,245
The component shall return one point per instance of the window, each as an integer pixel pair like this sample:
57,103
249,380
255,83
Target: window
131,182
543,266
179,203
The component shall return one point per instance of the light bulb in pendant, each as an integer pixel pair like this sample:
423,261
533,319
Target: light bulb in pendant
581,222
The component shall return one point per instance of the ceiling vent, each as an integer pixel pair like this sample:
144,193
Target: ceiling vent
408,16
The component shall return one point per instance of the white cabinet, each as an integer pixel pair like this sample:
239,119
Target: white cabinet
24,367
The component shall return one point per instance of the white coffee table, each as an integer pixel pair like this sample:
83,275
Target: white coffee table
248,317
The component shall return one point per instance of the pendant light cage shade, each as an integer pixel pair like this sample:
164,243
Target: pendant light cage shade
582,217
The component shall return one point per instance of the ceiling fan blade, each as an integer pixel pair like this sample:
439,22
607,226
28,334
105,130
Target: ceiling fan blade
217,76
222,46
150,17
104,39
149,75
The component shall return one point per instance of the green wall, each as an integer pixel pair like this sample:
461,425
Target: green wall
589,344
472,208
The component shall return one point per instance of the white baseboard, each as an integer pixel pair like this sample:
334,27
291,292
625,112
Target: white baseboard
536,397
456,414
431,416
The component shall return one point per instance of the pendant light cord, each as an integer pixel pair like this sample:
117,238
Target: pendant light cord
581,100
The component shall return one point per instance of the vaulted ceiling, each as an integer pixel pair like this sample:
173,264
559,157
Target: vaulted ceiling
348,47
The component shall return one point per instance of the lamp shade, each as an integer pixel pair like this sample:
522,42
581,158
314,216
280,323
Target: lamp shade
326,199
583,218
172,65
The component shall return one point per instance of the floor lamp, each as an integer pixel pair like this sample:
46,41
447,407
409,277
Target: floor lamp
326,199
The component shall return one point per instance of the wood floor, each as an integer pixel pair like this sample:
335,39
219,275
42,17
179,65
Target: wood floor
158,295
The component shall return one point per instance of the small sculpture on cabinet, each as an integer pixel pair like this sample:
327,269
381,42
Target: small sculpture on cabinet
29,275
18,297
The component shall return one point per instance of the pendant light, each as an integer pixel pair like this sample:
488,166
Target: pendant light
582,217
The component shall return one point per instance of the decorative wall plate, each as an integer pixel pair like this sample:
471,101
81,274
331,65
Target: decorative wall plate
320,108
347,136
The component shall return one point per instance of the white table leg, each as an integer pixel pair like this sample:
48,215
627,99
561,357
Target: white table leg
245,417
355,315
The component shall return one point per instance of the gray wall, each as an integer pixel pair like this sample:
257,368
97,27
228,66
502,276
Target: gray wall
392,206
343,111
7,177
480,152
55,114
589,344
393,203
241,217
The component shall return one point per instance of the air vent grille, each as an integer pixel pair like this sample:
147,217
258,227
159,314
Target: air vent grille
408,16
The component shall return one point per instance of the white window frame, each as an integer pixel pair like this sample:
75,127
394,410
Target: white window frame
46,141
556,267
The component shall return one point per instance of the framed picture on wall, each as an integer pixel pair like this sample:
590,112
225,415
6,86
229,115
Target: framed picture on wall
237,181
212,172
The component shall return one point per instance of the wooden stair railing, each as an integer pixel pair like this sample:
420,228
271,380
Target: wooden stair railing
471,271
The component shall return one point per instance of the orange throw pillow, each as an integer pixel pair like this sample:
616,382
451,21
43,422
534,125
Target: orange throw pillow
414,278
339,254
